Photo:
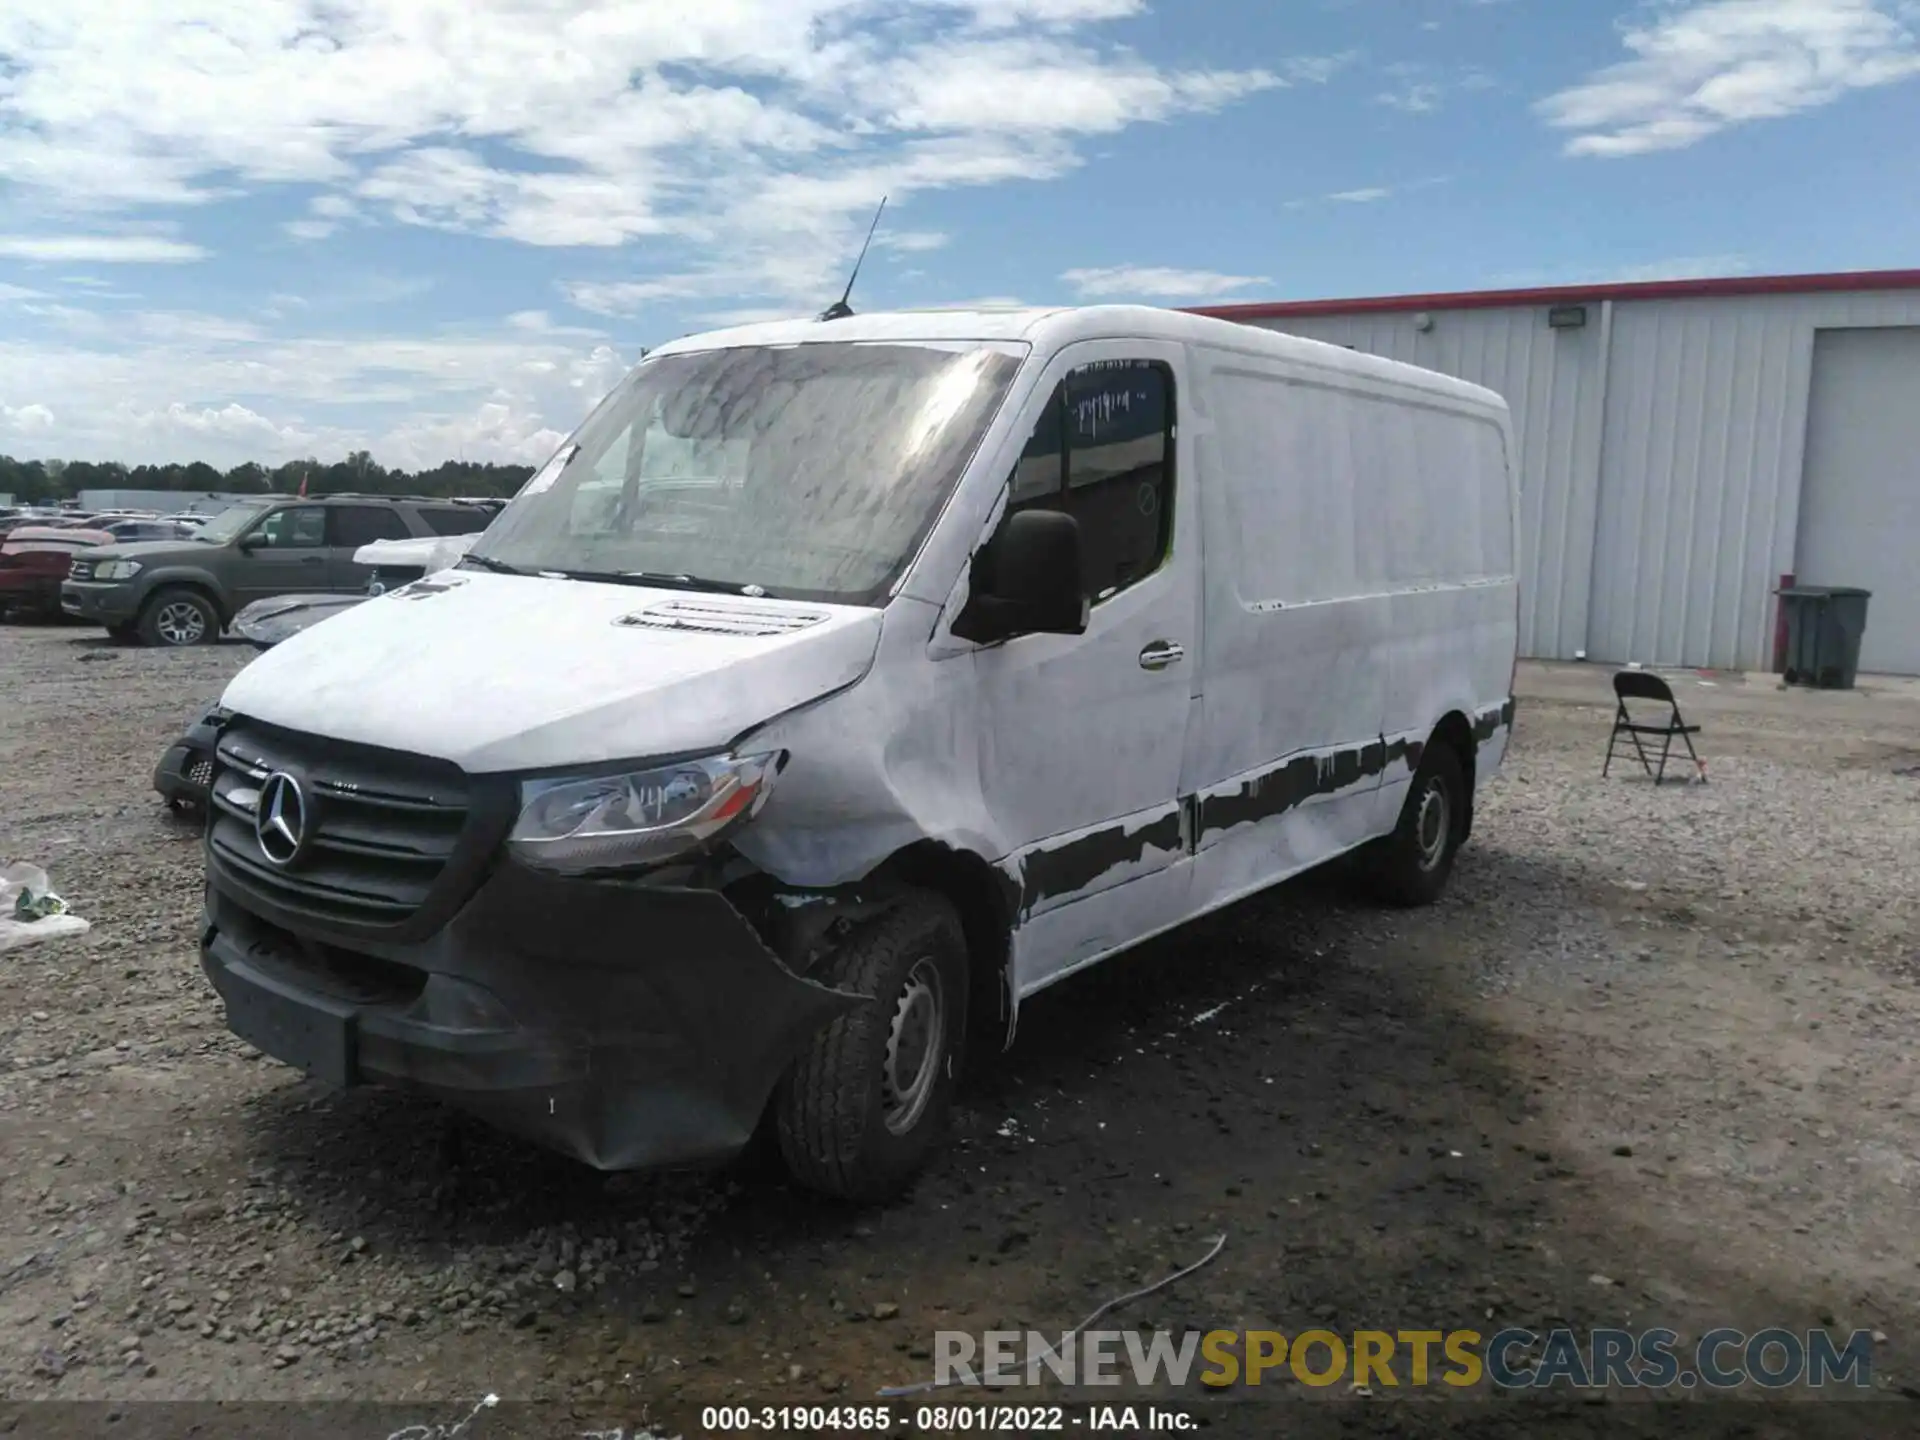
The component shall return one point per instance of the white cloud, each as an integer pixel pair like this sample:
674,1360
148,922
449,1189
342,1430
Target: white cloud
157,386
100,249
1706,66
733,149
26,419
1370,194
738,145
1156,282
910,242
1417,98
1418,88
229,422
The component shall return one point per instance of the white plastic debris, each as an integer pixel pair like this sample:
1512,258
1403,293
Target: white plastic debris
29,910
432,553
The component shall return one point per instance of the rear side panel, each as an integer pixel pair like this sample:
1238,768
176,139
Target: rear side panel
1448,562
1359,584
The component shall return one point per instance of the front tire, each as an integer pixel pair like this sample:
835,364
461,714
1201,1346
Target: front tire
867,1102
1419,855
177,617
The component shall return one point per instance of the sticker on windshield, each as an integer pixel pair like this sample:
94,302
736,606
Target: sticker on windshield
550,471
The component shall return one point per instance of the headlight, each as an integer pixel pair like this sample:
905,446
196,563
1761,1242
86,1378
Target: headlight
116,570
640,818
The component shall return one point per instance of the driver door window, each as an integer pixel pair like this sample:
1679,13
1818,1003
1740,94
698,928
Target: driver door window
1103,453
301,527
285,554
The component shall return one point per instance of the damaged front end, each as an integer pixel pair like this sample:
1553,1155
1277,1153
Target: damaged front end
398,928
630,1025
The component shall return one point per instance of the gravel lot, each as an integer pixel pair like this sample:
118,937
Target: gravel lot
1649,1063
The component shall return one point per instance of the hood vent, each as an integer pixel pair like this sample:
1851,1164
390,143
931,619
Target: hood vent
708,617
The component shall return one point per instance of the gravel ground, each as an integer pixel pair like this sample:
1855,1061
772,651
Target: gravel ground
1648,1063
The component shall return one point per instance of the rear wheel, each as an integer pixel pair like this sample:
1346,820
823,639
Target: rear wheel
1413,866
178,617
867,1102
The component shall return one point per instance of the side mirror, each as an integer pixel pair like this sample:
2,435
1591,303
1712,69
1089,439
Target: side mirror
1027,581
247,542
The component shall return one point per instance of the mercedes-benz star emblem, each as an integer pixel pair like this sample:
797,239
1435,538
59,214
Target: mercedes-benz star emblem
280,819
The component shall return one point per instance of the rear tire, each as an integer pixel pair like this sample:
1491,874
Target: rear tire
1417,858
178,617
867,1102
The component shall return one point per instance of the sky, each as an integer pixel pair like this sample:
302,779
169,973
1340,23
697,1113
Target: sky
441,229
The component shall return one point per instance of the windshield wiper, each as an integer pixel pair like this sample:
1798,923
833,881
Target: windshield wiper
660,580
487,562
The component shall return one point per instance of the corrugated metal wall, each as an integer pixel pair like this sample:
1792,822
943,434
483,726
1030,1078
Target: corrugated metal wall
1660,458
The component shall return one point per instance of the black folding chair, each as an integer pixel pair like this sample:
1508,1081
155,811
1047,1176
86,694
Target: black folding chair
1639,685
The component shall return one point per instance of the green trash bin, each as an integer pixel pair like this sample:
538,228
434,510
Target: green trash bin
1824,626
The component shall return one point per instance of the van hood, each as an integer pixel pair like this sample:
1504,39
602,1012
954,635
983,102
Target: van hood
511,672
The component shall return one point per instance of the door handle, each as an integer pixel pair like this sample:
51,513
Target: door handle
1160,654
309,559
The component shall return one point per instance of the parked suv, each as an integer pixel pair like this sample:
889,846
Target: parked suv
184,592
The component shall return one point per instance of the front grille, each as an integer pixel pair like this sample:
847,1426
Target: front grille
381,827
331,969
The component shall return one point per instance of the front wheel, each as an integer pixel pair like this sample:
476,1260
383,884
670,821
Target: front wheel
867,1102
179,617
1417,858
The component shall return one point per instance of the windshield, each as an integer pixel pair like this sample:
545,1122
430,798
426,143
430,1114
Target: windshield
810,471
228,523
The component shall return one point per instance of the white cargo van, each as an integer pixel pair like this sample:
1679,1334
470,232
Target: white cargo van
839,685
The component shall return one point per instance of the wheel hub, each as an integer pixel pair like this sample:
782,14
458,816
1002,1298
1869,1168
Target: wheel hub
916,1037
1433,823
180,623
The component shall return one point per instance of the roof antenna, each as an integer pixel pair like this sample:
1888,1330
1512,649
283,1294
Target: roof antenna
840,309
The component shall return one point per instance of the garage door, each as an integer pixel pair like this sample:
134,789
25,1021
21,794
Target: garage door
1860,492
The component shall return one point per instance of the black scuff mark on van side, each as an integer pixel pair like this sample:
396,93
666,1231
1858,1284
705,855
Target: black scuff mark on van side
1073,865
1291,783
1491,721
1407,751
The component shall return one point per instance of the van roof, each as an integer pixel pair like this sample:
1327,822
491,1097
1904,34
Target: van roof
1051,328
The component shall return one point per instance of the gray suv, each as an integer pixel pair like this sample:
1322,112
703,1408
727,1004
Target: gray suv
185,592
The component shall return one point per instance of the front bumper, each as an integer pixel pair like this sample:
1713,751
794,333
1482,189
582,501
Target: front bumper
104,603
30,592
628,1025
185,771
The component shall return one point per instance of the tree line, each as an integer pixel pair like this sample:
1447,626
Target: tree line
43,481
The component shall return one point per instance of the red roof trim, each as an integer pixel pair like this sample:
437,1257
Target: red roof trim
1855,280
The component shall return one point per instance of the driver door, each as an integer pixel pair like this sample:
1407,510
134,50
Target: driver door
284,554
1082,736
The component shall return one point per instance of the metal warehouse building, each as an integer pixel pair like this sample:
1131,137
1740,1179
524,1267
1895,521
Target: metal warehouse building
1683,446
